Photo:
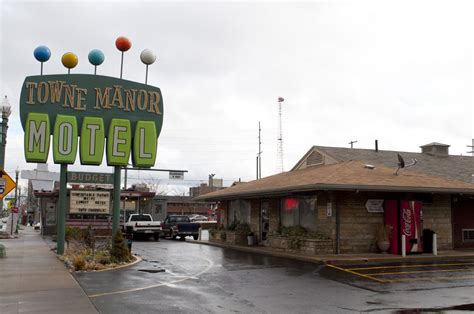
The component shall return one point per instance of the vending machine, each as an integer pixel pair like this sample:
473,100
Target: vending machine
411,225
405,218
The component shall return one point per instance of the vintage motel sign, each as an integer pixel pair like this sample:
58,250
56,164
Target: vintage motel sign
6,184
93,108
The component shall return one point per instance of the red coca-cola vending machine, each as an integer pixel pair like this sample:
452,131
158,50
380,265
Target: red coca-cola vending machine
411,225
405,218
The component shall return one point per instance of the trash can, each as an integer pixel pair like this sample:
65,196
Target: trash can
428,240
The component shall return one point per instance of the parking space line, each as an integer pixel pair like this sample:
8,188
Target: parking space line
409,266
355,273
429,278
421,271
195,276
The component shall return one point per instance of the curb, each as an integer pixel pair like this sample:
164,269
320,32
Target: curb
341,259
138,260
262,252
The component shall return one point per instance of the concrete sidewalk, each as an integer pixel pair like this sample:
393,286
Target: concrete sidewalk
33,280
348,258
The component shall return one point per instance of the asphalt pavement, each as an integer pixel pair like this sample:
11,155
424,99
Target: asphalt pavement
188,277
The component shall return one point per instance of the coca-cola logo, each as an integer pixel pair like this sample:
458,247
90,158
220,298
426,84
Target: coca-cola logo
406,216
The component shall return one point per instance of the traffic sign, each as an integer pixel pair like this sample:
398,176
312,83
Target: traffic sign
6,184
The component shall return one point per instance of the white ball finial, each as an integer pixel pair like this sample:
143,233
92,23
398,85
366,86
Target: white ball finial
148,57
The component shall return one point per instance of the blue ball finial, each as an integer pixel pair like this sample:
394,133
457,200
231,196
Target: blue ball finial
42,53
96,57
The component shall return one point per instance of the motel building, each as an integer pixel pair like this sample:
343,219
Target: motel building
346,199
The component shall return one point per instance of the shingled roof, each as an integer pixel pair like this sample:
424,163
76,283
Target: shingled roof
450,167
347,175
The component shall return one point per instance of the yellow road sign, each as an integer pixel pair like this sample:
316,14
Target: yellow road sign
6,184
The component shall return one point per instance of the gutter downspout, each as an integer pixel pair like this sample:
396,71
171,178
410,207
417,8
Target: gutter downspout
338,229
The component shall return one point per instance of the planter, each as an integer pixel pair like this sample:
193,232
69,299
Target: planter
236,238
216,236
250,240
301,245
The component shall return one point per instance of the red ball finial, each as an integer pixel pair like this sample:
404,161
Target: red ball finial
123,43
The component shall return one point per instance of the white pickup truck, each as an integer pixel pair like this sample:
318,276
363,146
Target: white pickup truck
143,224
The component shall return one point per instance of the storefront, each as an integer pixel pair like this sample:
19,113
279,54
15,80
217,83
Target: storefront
345,203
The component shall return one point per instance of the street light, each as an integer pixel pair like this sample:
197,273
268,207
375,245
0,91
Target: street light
6,111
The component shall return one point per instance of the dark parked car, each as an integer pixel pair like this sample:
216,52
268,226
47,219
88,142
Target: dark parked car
180,226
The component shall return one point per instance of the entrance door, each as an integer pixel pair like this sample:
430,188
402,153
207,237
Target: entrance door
264,221
463,222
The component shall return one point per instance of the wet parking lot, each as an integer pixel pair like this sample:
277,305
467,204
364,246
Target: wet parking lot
415,275
185,277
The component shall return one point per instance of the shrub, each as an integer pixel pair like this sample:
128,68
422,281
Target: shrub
120,250
72,233
79,262
89,239
242,228
300,232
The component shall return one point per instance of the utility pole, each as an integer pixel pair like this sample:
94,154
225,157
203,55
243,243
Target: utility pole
472,148
259,155
352,144
17,204
280,168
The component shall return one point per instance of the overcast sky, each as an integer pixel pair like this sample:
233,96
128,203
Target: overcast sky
399,72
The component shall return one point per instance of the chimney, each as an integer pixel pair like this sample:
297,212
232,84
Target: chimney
435,149
376,146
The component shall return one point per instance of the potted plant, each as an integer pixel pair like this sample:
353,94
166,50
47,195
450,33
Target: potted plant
384,234
250,238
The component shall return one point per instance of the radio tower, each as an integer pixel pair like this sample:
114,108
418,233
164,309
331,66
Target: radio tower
279,164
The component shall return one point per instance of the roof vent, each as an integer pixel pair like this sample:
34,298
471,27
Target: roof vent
315,158
435,149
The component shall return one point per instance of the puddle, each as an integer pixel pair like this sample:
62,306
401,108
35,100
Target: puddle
153,271
464,307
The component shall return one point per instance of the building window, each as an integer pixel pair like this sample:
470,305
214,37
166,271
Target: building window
239,212
158,208
298,211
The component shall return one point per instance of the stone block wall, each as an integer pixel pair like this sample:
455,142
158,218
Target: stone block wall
324,223
301,246
357,226
437,217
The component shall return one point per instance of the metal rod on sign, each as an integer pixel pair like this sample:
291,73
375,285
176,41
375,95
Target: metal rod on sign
121,66
95,70
146,75
41,68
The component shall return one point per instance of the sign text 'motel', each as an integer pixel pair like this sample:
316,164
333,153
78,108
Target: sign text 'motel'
93,108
